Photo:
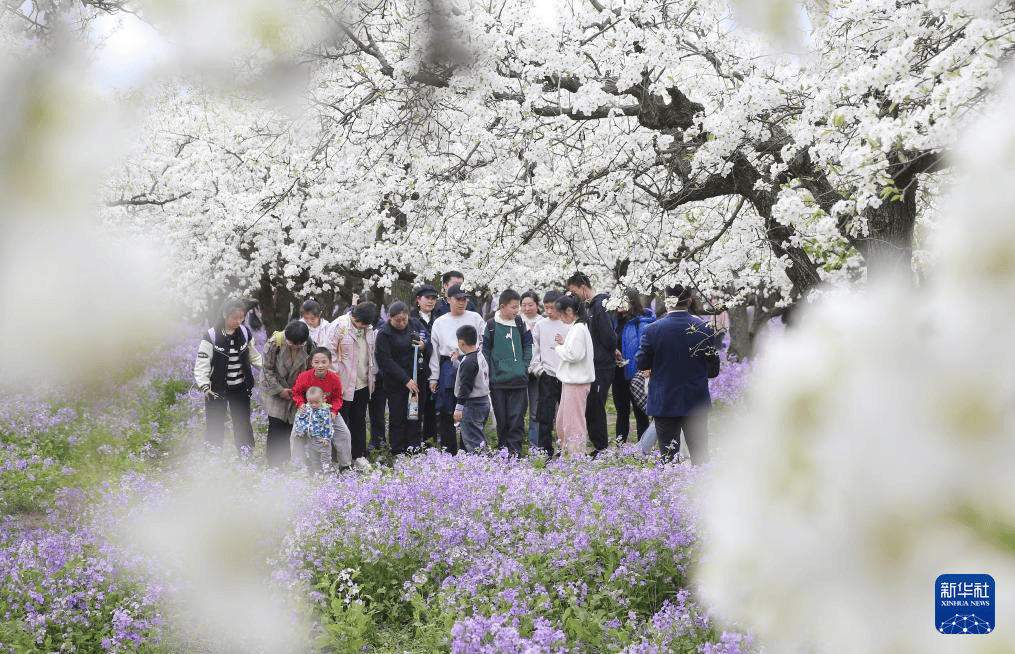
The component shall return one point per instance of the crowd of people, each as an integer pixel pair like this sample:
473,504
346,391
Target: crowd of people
431,376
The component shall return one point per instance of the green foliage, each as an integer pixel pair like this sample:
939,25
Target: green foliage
348,621
30,490
366,595
14,637
890,192
60,593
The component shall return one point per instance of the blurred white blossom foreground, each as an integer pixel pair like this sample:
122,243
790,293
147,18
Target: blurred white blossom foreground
879,446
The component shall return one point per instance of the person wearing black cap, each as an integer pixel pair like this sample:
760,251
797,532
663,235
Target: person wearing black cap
444,338
426,301
672,354
449,279
604,348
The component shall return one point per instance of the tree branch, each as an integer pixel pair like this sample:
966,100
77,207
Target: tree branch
141,201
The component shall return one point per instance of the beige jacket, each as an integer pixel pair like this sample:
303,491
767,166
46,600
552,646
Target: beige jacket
281,367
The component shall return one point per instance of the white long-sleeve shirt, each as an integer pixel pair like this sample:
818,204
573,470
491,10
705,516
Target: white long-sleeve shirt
445,341
576,364
544,356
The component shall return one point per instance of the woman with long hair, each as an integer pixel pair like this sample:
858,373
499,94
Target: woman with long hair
576,373
351,339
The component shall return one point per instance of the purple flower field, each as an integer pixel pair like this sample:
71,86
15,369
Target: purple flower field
728,388
435,553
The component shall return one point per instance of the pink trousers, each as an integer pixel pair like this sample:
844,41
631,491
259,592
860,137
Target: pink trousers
571,427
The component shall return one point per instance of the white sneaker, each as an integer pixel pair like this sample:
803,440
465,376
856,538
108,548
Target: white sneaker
362,465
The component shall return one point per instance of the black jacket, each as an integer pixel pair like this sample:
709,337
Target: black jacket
220,357
604,336
426,325
443,307
393,350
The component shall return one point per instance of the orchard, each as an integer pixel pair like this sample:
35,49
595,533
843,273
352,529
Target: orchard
839,166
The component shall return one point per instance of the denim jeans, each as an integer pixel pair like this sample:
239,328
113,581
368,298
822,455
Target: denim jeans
475,413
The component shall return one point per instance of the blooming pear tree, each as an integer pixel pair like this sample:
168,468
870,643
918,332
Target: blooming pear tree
643,141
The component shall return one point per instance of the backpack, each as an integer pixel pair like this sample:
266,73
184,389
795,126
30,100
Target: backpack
246,334
491,326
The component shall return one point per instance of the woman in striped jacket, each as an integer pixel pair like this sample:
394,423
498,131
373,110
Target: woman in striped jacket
224,373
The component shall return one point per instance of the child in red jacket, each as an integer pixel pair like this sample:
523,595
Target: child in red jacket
320,376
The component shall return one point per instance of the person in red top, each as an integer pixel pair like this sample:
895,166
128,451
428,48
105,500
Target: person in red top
320,376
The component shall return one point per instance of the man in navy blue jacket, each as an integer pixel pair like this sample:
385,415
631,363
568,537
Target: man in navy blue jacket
672,354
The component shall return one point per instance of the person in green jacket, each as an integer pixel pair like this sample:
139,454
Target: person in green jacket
507,346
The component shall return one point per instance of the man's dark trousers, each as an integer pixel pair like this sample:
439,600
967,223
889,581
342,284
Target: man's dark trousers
595,409
695,428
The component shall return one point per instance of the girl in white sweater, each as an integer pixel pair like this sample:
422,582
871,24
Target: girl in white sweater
576,374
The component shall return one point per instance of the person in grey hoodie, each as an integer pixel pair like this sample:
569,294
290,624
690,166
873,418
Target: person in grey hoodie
472,390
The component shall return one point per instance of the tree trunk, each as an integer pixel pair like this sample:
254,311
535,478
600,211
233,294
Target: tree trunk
888,247
741,340
747,320
276,305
